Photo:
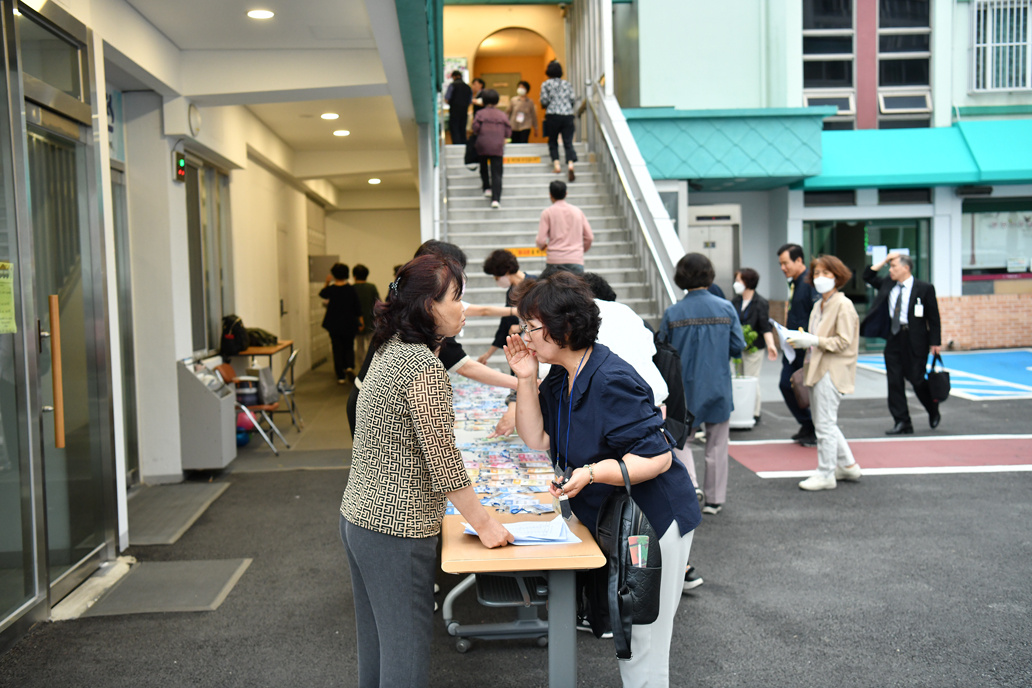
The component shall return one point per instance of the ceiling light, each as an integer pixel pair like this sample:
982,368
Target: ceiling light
16,12
374,180
329,115
261,14
341,132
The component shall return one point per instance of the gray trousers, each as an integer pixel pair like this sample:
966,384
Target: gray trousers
392,579
832,448
715,482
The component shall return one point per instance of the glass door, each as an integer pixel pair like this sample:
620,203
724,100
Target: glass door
120,215
68,371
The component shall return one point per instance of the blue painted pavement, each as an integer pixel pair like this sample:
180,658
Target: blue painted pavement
979,375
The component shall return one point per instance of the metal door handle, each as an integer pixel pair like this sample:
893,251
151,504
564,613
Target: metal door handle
56,374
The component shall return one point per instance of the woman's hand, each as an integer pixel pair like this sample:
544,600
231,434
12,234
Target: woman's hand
803,340
521,359
506,424
493,534
579,479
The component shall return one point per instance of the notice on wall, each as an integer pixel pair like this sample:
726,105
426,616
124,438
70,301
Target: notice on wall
877,253
8,324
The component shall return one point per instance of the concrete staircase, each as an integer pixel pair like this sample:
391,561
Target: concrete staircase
478,230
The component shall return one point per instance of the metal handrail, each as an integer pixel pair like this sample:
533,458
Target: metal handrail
442,178
646,222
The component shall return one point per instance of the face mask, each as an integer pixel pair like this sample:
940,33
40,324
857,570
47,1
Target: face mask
522,91
823,284
738,287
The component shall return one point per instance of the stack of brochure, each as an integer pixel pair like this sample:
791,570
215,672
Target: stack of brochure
554,532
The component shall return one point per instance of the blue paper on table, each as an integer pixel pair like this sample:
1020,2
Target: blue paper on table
554,532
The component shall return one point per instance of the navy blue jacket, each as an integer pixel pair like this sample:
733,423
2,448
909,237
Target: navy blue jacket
802,303
613,415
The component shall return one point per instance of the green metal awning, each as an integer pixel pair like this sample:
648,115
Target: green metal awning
721,150
978,152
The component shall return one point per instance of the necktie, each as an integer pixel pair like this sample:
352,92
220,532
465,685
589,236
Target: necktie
897,310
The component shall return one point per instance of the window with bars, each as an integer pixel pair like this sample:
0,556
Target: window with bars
1002,50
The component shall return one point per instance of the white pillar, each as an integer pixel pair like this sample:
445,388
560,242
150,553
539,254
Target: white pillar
427,172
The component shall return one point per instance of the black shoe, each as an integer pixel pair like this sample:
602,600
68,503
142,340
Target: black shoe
901,428
796,437
934,418
756,420
692,580
808,440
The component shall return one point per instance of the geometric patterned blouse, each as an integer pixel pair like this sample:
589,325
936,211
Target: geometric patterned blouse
404,458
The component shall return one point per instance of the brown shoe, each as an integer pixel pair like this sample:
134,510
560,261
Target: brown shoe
570,175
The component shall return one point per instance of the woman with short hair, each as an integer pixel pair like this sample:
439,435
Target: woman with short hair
404,468
832,344
705,330
522,114
592,409
558,98
754,310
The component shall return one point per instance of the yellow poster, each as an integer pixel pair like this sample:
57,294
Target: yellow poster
7,322
527,252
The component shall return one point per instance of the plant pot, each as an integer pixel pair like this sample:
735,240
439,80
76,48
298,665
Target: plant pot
744,395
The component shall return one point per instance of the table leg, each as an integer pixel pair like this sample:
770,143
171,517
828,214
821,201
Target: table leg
562,629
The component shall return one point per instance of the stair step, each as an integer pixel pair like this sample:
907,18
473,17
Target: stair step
540,201
477,254
486,212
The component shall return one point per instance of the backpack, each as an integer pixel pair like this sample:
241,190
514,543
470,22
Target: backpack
234,337
679,420
260,337
621,594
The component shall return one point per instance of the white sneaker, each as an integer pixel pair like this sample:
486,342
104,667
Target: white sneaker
851,473
487,193
495,205
817,482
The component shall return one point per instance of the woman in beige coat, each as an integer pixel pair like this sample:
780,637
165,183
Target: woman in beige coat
832,345
522,114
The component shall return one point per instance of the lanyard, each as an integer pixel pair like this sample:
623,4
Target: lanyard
569,415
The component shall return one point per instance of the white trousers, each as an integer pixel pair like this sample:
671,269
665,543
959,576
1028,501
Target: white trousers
649,665
751,365
832,448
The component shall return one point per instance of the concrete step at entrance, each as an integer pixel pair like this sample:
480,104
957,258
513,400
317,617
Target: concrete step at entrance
507,213
541,176
472,188
582,198
523,169
486,235
453,151
476,254
487,294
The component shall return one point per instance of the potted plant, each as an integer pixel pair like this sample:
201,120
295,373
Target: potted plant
744,388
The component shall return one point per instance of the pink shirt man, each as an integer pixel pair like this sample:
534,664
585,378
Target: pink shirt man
565,232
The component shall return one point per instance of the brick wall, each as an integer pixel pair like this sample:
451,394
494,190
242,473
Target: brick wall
989,321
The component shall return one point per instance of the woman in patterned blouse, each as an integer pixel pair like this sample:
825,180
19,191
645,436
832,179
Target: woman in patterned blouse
404,468
557,98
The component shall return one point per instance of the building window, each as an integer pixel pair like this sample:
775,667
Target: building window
829,58
904,196
904,63
1002,45
996,236
812,199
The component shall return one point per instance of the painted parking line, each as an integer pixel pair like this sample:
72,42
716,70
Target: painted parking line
895,456
979,375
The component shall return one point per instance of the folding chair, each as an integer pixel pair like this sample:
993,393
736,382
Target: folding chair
287,390
226,373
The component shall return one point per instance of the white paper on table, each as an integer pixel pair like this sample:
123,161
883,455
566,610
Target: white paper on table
901,251
554,532
783,334
878,254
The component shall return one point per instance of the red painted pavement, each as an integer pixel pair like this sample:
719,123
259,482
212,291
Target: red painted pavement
901,454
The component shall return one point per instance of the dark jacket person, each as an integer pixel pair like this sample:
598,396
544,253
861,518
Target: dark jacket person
906,314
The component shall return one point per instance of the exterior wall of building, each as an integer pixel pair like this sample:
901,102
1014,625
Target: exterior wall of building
993,321
963,94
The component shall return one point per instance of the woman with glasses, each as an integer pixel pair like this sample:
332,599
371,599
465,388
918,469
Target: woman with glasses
404,467
591,410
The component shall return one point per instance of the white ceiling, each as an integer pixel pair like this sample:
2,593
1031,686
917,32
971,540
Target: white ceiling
389,181
509,42
372,122
224,24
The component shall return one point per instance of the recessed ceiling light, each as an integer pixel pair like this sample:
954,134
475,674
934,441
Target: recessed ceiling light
341,132
374,180
16,12
261,14
329,115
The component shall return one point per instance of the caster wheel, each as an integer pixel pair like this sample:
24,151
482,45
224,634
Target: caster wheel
542,641
463,645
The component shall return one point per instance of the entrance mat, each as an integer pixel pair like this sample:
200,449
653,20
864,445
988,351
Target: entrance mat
160,514
172,586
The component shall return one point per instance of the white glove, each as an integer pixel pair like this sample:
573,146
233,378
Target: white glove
803,340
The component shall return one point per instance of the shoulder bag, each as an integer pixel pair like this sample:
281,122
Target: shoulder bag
938,381
633,592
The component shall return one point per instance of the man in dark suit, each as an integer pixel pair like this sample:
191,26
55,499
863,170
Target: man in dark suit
906,314
458,96
801,296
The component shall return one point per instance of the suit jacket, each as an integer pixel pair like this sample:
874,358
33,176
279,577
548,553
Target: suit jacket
925,332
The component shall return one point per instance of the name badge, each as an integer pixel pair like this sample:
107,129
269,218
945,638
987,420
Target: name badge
919,309
519,117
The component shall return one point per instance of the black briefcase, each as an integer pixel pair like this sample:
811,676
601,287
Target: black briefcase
938,381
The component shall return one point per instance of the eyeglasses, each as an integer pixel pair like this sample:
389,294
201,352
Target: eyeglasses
525,329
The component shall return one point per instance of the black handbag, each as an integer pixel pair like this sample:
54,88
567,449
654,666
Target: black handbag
938,381
633,593
472,157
